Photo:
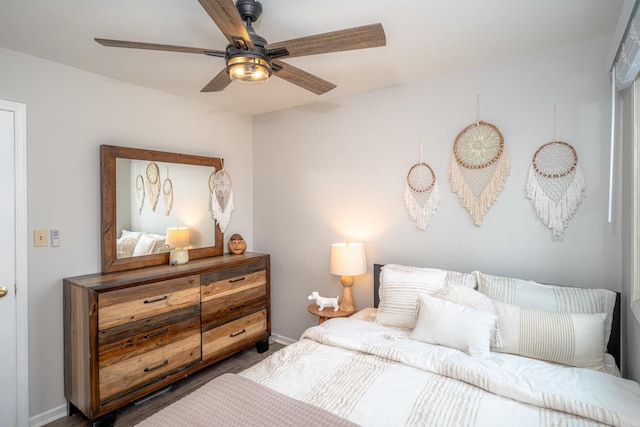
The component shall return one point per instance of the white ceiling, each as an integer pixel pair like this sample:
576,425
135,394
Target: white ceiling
424,38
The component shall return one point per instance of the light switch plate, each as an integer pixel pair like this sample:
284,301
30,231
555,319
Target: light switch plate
40,237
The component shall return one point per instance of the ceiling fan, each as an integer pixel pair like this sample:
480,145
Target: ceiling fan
248,56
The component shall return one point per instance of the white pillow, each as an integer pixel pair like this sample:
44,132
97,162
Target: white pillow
125,246
148,244
549,297
454,325
399,293
573,339
474,299
132,234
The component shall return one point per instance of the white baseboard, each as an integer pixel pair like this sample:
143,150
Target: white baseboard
280,339
49,416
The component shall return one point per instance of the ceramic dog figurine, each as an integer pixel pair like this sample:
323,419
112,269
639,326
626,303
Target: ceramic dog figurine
323,302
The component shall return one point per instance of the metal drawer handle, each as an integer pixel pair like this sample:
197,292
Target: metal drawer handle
237,307
149,301
237,280
164,331
237,333
165,363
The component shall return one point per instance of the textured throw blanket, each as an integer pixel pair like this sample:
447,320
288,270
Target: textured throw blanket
376,376
230,400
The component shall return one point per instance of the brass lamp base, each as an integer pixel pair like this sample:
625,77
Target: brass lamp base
346,302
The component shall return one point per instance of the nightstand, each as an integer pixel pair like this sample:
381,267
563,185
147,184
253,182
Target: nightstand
327,313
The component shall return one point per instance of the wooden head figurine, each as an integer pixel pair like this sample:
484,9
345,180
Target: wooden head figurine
236,244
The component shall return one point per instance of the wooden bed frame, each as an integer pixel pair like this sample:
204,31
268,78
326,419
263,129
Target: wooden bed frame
613,347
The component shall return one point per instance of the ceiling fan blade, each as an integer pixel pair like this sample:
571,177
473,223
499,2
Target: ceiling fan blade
218,83
336,41
302,78
227,18
163,47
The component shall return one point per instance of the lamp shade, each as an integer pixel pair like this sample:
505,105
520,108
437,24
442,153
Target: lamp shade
348,259
177,237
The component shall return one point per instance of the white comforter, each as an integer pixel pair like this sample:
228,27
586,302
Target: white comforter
377,376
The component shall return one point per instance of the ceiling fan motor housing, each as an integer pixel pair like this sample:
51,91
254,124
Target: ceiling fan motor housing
249,9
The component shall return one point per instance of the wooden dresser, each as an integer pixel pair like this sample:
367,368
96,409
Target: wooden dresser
128,334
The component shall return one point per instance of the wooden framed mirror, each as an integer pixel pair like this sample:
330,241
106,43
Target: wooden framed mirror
144,192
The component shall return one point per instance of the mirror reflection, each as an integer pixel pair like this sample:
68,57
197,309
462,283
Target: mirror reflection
186,205
153,196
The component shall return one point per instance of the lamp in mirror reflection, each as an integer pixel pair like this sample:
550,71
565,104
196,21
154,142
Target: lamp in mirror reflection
348,260
178,240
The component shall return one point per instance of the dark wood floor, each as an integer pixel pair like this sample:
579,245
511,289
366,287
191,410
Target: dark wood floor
132,414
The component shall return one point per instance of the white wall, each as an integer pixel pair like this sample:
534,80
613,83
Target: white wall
335,171
69,114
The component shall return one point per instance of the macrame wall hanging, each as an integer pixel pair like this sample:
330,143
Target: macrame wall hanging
555,185
167,194
139,193
479,167
153,184
421,194
221,197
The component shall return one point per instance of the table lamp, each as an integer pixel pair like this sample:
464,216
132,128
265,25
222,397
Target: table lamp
178,240
348,260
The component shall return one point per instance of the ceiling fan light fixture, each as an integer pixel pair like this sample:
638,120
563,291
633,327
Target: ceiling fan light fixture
244,69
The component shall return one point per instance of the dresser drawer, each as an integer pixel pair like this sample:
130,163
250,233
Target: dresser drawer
220,310
220,283
233,334
139,302
136,338
127,375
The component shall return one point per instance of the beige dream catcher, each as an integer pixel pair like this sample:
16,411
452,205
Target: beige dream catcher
153,184
555,185
221,197
421,194
479,167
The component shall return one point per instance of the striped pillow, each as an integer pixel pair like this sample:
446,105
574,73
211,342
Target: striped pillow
549,297
573,339
400,289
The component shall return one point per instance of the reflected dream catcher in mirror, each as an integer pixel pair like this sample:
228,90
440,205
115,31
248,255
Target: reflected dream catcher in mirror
221,197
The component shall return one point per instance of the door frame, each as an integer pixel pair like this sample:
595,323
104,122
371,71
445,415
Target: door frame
21,253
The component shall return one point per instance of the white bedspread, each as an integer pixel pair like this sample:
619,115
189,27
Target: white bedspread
377,376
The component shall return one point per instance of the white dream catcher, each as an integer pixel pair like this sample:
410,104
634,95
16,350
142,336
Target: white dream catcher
139,193
421,194
479,168
153,184
555,185
167,194
221,197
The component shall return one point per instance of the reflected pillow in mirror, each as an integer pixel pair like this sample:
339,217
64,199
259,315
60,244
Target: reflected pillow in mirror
149,244
126,245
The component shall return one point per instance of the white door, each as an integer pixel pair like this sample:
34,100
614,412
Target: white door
13,339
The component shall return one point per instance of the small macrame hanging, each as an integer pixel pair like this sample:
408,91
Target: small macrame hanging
555,185
421,194
139,193
221,197
167,194
153,184
479,167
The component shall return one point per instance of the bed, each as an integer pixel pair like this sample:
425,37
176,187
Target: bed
395,365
